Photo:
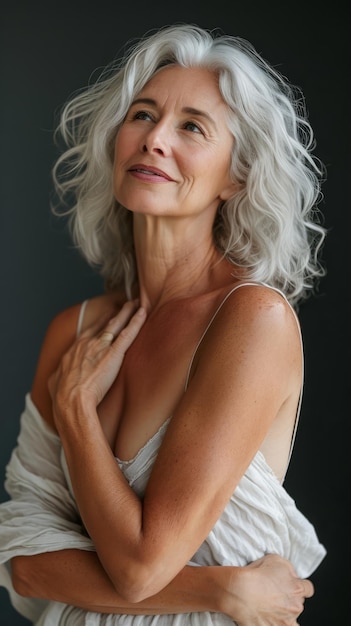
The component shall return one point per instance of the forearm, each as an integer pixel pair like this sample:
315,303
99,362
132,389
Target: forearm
77,578
118,522
266,591
111,512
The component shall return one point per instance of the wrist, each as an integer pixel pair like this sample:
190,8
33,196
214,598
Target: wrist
228,591
213,588
74,413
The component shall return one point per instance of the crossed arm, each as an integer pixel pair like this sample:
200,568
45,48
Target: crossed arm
144,544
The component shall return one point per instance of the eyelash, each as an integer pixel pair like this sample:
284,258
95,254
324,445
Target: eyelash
140,114
196,126
143,114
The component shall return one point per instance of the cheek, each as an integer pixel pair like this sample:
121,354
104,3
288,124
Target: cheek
120,155
117,170
123,143
118,147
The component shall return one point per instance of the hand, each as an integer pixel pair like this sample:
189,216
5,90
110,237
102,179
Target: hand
90,366
270,593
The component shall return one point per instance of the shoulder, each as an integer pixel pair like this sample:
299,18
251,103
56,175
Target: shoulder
60,334
63,328
252,320
252,304
251,353
258,314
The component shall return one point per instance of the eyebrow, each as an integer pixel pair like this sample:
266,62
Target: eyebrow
190,110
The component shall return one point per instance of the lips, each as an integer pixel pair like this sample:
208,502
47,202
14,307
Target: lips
148,170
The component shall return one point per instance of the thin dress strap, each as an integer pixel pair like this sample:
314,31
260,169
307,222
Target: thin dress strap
298,410
81,317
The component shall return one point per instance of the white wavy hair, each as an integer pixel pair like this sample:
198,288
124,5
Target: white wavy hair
272,227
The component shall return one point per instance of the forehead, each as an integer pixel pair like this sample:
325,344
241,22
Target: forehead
196,85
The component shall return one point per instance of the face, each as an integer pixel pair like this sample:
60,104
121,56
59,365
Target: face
173,151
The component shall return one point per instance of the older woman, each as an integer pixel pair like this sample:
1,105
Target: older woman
162,415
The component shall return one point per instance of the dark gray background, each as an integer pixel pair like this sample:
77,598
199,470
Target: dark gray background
50,49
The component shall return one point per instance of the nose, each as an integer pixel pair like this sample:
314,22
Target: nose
157,140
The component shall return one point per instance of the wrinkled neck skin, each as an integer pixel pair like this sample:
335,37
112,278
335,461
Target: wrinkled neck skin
176,258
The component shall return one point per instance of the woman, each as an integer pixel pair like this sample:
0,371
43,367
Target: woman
162,415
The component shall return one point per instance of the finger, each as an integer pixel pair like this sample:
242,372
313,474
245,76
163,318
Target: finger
308,588
112,355
107,328
123,317
110,324
129,332
116,324
106,337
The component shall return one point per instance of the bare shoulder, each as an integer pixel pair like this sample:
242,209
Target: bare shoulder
251,356
254,320
251,305
60,334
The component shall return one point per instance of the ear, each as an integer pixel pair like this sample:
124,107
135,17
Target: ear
229,191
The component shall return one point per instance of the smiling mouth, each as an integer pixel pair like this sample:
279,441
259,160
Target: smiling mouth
150,172
143,171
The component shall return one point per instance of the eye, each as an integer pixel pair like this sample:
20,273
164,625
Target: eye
194,128
142,115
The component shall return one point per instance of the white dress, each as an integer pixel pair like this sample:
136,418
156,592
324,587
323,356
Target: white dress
42,516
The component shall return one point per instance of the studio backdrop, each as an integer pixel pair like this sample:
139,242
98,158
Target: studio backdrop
50,49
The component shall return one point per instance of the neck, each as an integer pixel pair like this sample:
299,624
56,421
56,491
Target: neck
173,264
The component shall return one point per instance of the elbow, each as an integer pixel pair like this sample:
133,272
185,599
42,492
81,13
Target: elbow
137,584
22,576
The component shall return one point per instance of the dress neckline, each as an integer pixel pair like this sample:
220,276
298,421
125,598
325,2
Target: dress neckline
164,424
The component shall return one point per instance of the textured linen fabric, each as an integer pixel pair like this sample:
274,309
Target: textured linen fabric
42,516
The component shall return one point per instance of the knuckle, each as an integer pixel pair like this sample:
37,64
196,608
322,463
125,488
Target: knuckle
125,335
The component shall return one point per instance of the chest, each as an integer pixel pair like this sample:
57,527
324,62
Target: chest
151,381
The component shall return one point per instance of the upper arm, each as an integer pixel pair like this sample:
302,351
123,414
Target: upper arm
247,365
60,334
